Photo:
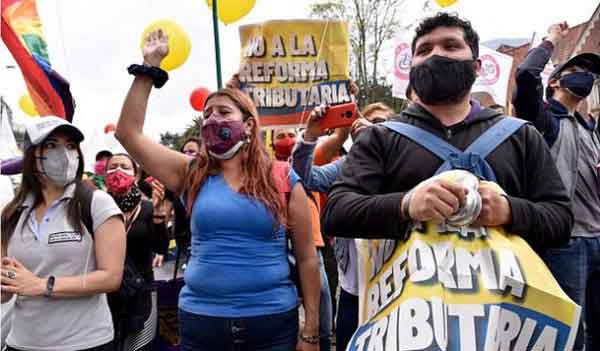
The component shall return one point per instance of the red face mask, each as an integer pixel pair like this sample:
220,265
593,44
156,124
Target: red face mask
119,181
283,148
100,167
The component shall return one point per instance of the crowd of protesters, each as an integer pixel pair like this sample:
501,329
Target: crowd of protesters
79,254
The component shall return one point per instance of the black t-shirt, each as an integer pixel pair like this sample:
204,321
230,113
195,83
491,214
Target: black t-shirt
182,222
144,239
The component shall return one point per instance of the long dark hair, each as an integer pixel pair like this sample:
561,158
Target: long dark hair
30,184
257,178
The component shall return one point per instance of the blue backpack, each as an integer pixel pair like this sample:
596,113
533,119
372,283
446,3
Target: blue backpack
472,159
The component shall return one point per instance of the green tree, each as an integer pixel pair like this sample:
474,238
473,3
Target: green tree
371,25
170,139
175,140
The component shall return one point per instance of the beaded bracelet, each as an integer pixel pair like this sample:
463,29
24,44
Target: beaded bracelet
312,339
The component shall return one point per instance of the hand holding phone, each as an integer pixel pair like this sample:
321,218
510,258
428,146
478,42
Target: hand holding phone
342,115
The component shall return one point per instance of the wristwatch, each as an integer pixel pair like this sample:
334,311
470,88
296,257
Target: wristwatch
49,286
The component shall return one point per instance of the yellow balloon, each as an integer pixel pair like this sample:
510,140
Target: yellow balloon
27,105
230,11
179,43
445,3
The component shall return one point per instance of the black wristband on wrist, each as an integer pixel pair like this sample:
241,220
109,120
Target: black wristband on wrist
159,76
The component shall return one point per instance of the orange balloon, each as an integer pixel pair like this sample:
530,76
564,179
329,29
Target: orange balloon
198,98
110,128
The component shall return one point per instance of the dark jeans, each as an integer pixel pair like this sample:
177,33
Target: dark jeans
576,267
331,269
106,347
325,308
275,332
347,319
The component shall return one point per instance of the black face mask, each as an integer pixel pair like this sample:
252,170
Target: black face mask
578,83
440,80
128,201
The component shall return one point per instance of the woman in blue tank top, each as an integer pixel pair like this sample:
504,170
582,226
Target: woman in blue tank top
238,293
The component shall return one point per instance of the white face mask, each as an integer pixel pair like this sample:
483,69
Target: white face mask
126,171
229,153
60,165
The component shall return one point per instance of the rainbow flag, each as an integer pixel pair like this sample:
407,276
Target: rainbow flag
22,34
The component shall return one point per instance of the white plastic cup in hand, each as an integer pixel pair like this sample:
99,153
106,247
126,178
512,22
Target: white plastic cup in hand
436,199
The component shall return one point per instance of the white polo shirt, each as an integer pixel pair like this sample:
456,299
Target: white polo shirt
53,247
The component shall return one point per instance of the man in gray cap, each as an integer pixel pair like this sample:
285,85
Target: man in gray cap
574,141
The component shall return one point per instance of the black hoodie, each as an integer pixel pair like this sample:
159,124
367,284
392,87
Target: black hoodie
383,165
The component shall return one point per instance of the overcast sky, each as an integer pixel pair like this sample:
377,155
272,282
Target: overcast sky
92,42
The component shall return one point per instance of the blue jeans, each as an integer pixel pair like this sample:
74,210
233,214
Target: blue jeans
275,332
347,319
325,310
576,267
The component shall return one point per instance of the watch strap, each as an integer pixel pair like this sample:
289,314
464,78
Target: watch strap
49,286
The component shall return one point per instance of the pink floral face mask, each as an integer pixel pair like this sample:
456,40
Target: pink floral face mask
119,181
223,138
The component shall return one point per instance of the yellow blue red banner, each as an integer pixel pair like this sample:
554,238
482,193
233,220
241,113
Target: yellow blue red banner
460,289
288,67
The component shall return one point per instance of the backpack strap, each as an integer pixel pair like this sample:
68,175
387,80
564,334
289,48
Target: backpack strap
474,156
85,205
281,174
496,135
431,142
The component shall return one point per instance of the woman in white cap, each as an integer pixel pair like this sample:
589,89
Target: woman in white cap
63,247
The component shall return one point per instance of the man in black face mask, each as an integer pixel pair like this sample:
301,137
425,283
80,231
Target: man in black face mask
381,189
574,142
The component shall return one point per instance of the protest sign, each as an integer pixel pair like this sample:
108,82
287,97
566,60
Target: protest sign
402,59
493,77
494,74
460,288
289,67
